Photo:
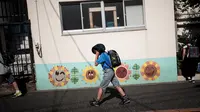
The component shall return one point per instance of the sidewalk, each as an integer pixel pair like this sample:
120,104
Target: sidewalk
150,97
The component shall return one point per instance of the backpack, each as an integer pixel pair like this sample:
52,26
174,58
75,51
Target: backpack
193,52
114,57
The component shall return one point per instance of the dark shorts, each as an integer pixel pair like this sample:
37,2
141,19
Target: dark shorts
8,77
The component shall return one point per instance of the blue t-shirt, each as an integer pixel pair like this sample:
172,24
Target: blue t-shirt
104,60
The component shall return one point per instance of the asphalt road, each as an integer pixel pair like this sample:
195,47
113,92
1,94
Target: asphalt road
143,98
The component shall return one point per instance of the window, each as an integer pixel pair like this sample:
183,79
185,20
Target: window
71,15
91,15
102,15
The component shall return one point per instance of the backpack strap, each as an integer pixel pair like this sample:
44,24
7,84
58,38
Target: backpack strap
108,64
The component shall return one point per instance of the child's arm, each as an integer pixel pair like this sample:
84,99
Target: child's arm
184,53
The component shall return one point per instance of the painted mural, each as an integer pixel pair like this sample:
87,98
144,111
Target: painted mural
122,72
59,76
90,74
150,70
83,75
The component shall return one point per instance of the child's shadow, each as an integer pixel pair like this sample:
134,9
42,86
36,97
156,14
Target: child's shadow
113,94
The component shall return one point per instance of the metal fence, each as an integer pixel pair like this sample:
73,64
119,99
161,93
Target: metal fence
15,35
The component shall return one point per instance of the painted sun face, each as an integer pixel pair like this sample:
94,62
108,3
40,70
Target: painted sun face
59,76
150,70
90,74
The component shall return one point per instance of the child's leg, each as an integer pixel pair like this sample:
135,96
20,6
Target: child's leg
104,84
11,80
100,94
116,84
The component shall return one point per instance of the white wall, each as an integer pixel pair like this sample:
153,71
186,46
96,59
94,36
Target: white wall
155,42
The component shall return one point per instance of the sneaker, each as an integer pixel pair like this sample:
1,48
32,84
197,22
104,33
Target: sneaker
193,81
17,94
189,80
94,103
125,101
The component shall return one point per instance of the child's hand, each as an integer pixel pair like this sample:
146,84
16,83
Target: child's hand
97,53
96,57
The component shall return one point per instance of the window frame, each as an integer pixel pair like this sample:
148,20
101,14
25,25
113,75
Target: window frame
104,29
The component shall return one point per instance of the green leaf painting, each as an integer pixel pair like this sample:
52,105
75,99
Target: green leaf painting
136,76
136,67
74,73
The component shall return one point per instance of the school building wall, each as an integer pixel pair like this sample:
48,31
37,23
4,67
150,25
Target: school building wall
148,54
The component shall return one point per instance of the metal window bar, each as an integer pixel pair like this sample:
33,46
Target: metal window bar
6,11
13,10
103,16
124,11
2,10
81,16
9,11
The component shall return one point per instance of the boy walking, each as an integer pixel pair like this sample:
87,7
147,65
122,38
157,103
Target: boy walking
101,57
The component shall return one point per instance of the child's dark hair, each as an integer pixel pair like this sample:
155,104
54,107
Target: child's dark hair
98,47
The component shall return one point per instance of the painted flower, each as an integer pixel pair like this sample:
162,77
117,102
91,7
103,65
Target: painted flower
90,74
122,72
59,76
150,70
